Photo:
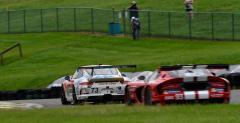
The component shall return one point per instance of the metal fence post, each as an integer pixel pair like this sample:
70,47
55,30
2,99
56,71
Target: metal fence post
190,26
124,21
169,25
1,59
149,24
75,19
113,15
20,50
233,27
41,17
212,16
8,21
92,20
24,21
57,21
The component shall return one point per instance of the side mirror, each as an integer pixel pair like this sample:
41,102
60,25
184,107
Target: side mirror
67,78
124,75
214,74
141,78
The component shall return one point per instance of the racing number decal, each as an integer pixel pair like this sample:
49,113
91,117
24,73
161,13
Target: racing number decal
107,92
179,96
94,90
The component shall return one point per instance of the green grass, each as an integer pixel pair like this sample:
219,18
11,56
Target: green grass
48,56
125,114
176,5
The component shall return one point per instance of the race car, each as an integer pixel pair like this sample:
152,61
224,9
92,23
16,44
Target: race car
95,83
180,84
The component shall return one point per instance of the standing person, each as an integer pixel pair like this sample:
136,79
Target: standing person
189,7
133,10
135,24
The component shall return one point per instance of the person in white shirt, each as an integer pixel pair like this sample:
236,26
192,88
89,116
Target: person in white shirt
189,7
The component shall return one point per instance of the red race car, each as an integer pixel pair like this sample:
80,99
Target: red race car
180,84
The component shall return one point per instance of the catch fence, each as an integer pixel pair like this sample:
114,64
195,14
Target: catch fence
213,26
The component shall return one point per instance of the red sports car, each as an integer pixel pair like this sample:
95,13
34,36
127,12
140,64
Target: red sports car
180,83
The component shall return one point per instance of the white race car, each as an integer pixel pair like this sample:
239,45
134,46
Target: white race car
95,83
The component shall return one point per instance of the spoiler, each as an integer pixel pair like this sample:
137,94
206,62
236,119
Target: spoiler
196,66
109,66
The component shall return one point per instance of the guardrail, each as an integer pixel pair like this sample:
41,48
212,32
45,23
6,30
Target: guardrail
9,49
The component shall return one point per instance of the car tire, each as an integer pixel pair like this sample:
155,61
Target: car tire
74,97
63,98
148,97
128,100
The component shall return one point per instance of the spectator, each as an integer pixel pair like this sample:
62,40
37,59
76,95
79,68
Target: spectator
133,10
135,24
189,7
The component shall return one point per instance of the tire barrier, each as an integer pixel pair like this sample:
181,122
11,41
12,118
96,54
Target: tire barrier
25,94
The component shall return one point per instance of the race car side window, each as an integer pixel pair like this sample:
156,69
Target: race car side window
80,74
77,74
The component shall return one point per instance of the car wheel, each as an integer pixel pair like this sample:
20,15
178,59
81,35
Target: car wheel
63,98
128,100
74,97
148,97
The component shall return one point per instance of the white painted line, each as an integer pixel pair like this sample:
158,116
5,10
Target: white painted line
10,105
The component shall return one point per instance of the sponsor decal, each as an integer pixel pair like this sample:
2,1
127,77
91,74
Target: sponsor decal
179,96
217,95
169,97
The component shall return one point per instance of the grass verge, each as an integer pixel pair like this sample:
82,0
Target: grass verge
125,114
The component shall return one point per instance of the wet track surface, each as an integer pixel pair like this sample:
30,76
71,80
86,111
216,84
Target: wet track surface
54,103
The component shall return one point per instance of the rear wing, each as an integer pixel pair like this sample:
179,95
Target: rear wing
196,66
109,66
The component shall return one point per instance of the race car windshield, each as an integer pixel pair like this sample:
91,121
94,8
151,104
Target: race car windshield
190,72
103,71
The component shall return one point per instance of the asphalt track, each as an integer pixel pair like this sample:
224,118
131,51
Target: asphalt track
30,104
56,103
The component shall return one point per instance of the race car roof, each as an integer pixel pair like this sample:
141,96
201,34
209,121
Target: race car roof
196,66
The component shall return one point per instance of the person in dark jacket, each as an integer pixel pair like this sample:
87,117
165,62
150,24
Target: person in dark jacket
136,26
133,10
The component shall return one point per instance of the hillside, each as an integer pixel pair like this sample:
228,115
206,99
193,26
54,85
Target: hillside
48,56
166,5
